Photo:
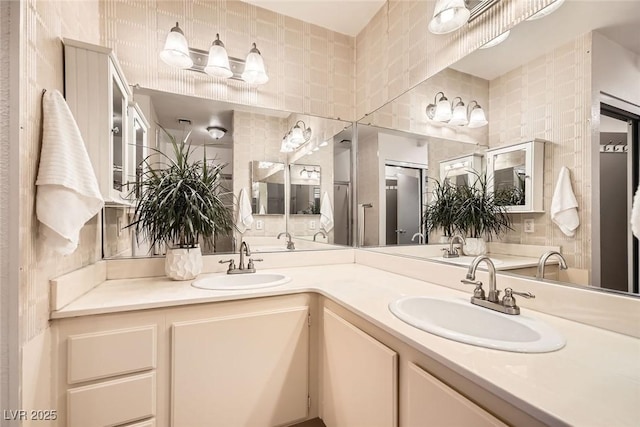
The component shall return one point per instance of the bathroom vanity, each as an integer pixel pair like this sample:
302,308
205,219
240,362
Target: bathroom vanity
324,344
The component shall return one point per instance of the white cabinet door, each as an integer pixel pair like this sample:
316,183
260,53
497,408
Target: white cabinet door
359,379
241,370
432,403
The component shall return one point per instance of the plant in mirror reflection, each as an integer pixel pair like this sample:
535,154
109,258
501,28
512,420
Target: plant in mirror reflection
180,200
469,209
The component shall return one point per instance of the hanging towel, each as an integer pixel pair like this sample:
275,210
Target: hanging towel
245,214
326,213
564,206
635,214
67,189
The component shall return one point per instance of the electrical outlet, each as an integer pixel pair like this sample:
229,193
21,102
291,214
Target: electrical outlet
259,224
529,225
312,225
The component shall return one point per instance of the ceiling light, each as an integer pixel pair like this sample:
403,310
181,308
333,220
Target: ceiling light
216,132
459,115
218,62
496,40
448,16
254,72
477,117
546,11
176,49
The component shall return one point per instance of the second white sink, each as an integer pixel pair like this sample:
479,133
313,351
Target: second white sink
230,282
459,320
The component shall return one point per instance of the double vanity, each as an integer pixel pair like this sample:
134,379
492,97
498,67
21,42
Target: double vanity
339,334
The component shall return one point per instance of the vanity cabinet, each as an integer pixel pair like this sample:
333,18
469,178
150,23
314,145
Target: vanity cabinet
515,174
98,95
359,379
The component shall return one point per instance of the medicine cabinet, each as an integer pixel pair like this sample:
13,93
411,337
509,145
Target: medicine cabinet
515,175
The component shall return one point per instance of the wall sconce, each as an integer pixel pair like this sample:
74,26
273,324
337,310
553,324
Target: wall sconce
216,62
441,111
477,117
448,16
295,138
216,132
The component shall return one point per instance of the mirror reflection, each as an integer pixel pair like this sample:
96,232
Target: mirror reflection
267,188
248,141
552,80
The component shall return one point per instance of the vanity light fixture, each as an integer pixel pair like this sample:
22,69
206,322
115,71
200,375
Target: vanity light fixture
216,132
448,16
496,40
477,118
546,11
311,173
459,115
296,137
216,62
440,110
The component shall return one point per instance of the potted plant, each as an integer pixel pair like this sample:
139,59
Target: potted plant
441,212
479,214
178,203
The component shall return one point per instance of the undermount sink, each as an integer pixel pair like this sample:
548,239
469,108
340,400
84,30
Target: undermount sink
465,260
230,282
459,320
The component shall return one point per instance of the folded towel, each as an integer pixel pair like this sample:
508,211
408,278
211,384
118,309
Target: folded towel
326,213
245,213
635,214
564,212
68,194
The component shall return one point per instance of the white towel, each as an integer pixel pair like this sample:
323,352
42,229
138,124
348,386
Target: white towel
564,206
326,213
245,213
68,194
635,214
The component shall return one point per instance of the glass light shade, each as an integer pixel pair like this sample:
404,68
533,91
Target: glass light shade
216,132
459,116
218,62
297,136
546,11
448,16
496,41
477,118
443,110
286,146
176,49
254,72
324,143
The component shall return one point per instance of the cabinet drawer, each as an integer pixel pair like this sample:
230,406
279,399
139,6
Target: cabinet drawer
106,354
112,402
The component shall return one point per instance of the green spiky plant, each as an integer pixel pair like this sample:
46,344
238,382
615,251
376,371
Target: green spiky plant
441,212
179,199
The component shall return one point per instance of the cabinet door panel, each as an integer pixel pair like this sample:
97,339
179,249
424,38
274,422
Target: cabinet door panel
433,403
360,377
245,370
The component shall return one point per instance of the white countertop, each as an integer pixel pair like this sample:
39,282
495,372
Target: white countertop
593,381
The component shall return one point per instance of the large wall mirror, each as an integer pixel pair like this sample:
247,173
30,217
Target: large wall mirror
569,79
249,141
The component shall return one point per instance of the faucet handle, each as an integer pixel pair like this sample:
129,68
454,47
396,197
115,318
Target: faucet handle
508,299
251,261
478,292
232,264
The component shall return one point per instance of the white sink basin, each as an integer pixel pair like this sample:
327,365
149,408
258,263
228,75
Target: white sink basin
280,248
466,260
459,320
229,282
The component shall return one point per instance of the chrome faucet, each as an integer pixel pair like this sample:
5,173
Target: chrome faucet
452,252
250,268
492,301
543,261
322,233
420,237
290,245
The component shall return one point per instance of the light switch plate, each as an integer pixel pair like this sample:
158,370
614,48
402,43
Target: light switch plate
529,225
312,225
259,224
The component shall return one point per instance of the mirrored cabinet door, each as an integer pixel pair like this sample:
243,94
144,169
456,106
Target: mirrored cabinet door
305,189
136,151
267,188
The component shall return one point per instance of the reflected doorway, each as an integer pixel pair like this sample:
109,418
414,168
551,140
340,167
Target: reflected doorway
404,201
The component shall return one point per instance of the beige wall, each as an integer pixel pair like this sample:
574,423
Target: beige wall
548,98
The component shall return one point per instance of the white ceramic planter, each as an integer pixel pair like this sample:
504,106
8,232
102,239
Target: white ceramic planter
474,246
183,264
